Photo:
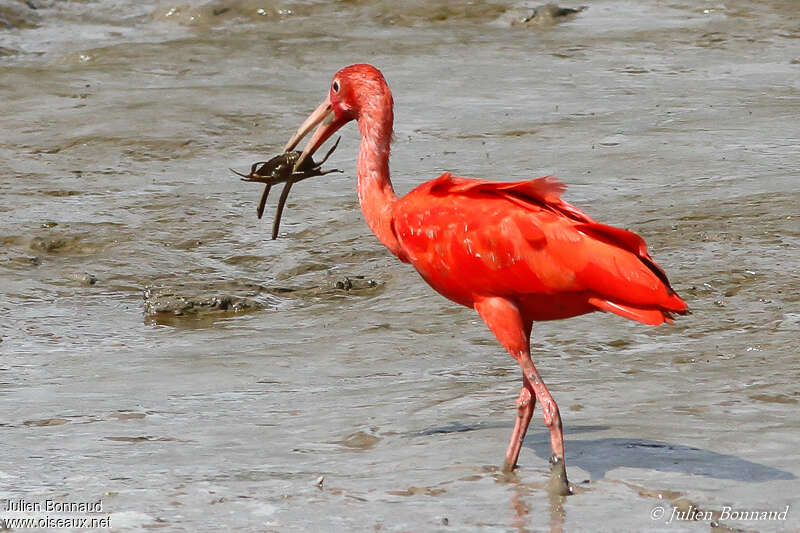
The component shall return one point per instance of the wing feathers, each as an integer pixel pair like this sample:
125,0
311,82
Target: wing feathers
535,244
627,240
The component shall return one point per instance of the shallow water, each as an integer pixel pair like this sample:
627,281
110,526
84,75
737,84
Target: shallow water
120,120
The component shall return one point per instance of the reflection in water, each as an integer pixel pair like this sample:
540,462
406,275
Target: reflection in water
557,512
520,507
520,496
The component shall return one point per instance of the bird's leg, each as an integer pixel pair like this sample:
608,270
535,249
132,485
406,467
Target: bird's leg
552,419
505,320
525,404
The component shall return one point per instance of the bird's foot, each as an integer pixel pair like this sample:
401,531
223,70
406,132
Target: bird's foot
558,484
508,467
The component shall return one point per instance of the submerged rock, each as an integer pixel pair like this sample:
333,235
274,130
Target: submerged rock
51,244
541,16
432,12
360,440
193,299
216,12
17,15
67,244
176,303
356,285
84,278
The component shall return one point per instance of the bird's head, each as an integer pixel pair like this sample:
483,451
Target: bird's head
355,91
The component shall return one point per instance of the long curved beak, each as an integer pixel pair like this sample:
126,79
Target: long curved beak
328,124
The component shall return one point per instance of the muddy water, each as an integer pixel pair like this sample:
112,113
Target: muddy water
119,121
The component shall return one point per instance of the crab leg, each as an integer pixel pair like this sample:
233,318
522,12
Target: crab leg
329,153
263,202
281,202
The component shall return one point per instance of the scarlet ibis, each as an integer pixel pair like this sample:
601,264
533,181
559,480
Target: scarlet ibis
514,251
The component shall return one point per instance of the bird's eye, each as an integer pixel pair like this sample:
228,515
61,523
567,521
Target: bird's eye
335,86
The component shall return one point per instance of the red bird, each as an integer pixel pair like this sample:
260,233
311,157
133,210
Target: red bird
513,251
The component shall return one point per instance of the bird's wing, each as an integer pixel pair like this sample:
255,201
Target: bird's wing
474,237
544,192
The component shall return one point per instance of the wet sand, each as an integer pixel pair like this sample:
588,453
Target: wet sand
120,121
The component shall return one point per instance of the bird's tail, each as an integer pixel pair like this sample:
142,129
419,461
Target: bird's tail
654,308
651,316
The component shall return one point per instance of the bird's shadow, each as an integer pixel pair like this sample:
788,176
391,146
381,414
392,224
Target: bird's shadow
599,456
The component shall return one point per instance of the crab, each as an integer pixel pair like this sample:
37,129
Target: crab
280,169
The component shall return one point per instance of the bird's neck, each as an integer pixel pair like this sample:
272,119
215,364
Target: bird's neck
375,192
